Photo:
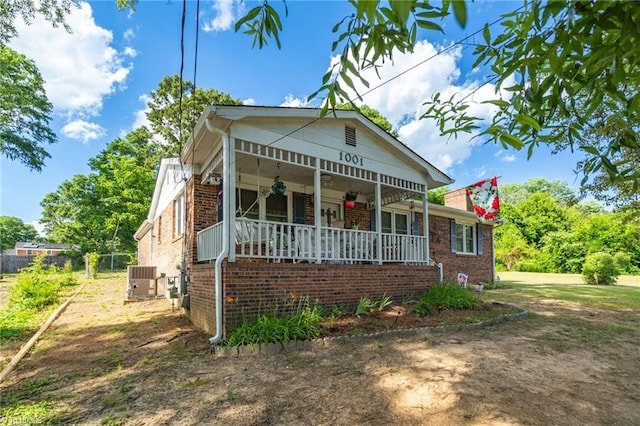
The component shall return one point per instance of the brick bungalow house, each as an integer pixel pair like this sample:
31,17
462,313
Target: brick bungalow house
257,209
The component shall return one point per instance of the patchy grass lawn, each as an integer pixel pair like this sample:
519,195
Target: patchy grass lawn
575,360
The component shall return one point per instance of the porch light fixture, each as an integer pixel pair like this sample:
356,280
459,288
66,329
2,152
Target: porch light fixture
213,178
325,179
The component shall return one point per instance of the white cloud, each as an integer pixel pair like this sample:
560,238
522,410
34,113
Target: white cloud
79,68
141,114
128,34
227,12
83,130
401,100
291,101
505,157
130,51
249,101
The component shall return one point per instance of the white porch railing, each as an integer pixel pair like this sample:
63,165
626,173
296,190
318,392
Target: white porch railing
278,241
210,242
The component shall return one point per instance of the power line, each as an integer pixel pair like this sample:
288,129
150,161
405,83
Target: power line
440,52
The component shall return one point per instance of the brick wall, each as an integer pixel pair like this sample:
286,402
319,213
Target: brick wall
258,285
252,287
201,288
478,267
144,249
166,252
201,212
458,199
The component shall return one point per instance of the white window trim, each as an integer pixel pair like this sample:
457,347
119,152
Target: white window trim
262,203
178,215
395,212
465,226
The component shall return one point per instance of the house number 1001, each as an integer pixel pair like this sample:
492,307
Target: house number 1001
351,158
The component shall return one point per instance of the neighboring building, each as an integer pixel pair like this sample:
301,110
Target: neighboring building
243,242
35,249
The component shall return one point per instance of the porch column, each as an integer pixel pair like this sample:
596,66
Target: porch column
425,222
229,198
317,205
379,218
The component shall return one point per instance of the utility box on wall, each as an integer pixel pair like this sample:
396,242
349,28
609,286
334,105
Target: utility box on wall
141,282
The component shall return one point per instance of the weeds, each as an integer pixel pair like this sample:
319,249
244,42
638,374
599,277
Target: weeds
36,288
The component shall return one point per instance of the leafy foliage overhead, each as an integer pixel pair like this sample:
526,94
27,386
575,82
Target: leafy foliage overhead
24,111
53,11
568,59
174,120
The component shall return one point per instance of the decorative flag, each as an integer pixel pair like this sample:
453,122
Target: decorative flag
484,198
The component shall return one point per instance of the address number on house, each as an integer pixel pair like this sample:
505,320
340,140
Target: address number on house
350,158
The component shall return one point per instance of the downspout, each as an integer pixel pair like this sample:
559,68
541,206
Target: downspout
425,224
225,229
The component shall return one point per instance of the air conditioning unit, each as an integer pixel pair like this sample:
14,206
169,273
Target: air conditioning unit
141,282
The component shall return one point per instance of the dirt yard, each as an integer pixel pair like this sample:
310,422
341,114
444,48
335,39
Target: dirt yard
103,362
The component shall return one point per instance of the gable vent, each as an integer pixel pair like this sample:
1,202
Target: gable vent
350,135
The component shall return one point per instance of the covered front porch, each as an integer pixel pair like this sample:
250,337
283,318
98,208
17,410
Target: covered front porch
288,204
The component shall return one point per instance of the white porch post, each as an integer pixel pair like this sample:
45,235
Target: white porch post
425,221
317,206
379,217
229,198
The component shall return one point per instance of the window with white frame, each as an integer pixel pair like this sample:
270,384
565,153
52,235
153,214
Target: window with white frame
247,204
178,216
395,223
465,238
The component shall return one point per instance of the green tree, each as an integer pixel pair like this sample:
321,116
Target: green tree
373,115
13,229
511,247
53,11
621,194
174,120
102,210
539,215
514,193
24,111
568,59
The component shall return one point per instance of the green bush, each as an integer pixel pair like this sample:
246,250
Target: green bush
302,324
93,259
36,287
599,268
623,262
445,296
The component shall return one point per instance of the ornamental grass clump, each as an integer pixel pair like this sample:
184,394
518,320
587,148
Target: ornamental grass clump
445,296
303,323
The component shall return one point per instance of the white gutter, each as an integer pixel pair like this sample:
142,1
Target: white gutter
226,212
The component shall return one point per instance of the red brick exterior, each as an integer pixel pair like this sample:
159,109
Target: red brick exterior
477,267
252,286
458,199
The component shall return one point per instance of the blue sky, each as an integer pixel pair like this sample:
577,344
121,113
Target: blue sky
98,77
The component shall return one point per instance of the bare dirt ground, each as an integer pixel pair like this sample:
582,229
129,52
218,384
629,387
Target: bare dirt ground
103,362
